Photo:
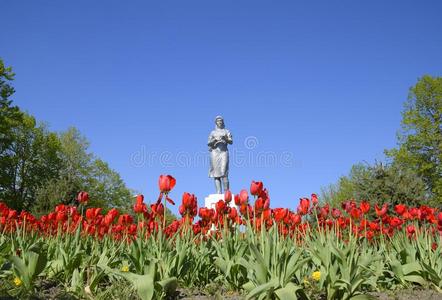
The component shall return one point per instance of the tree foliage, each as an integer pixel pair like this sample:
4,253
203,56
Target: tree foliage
9,114
31,160
81,171
378,183
420,138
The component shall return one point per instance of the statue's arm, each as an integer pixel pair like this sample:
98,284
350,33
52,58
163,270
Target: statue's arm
211,141
229,138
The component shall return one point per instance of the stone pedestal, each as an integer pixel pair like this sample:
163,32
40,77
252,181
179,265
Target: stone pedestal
211,200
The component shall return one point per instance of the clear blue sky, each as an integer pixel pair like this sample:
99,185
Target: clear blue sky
319,85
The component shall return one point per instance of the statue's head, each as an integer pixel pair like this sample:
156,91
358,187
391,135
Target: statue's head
219,121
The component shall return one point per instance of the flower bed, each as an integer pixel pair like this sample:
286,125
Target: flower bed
256,251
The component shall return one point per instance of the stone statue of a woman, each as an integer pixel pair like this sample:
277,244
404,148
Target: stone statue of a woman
219,154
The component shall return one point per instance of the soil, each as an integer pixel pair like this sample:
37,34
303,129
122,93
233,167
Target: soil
49,291
409,294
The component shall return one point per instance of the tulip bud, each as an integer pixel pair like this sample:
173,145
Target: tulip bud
256,188
227,196
83,197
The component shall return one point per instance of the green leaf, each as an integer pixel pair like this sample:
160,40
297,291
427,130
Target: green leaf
396,267
22,270
76,280
143,284
169,285
415,278
37,263
260,267
248,286
411,268
288,292
262,288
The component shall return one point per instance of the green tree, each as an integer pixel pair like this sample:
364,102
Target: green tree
9,115
378,183
106,188
420,138
30,160
80,170
390,183
77,162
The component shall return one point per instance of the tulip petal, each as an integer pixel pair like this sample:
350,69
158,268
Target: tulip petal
170,200
160,197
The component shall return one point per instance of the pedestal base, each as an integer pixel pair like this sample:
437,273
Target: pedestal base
211,200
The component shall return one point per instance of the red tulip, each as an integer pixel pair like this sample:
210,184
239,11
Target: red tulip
61,216
140,206
83,197
267,203
243,197
125,220
245,209
92,213
220,207
182,210
166,183
259,205
369,235
227,196
411,230
348,205
189,200
280,213
400,209
206,213
365,207
355,213
233,213
256,188
314,199
12,214
381,211
237,200
374,226
140,199
157,209
304,206
296,219
415,212
395,222
336,213
439,217
110,217
267,214
323,211
264,194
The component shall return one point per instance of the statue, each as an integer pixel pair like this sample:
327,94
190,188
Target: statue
219,154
